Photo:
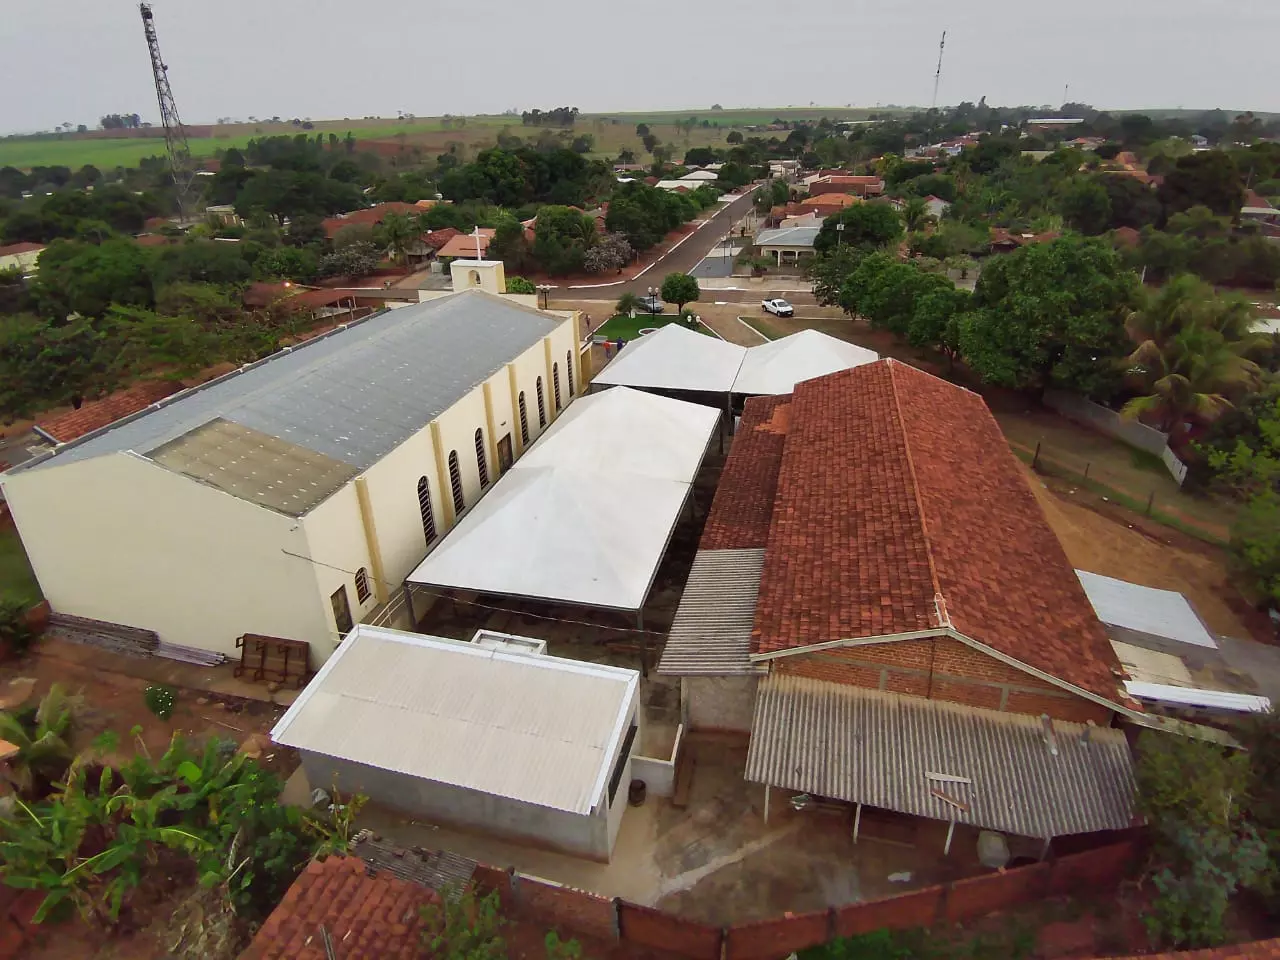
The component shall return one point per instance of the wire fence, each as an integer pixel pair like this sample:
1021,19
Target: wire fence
1152,492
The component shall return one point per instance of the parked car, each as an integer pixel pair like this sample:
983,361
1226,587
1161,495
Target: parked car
779,307
651,304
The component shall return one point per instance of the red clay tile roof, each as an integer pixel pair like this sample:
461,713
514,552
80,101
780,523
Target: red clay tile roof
740,513
265,293
99,413
368,917
438,238
154,240
16,248
896,488
368,216
464,244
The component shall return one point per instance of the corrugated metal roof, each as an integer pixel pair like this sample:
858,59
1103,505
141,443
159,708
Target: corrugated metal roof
354,395
1198,697
711,632
1159,613
788,237
899,753
533,728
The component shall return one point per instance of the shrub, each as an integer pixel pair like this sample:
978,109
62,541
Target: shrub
520,285
15,633
160,700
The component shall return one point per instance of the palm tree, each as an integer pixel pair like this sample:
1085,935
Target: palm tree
915,213
1189,363
43,752
627,303
400,234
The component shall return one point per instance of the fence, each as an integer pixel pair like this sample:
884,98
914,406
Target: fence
589,914
1135,434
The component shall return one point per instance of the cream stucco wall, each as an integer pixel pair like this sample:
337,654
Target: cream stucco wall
338,548
120,539
26,262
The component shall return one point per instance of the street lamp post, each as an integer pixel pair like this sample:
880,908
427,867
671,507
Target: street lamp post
544,295
839,233
652,304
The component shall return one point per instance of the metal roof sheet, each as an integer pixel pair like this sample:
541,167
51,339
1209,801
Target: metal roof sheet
353,395
1160,613
900,753
538,729
711,632
1198,697
788,237
675,358
776,367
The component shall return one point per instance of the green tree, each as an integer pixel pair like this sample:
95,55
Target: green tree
1050,314
1132,203
1086,205
866,225
627,304
44,742
935,316
88,279
915,213
888,301
680,288
355,260
510,245
521,285
200,261
734,137
399,233
1208,179
829,271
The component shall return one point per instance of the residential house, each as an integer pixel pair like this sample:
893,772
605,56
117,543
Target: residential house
699,177
824,204
21,256
309,302
291,497
936,206
467,245
1259,209
862,186
676,186
787,246
878,599
223,213
371,216
96,414
802,220
537,750
1048,124
1004,241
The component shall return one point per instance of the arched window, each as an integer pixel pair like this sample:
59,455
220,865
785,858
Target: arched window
568,369
424,508
474,278
524,422
455,483
481,466
362,585
542,407
555,383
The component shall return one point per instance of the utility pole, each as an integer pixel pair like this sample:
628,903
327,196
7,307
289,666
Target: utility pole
175,136
937,77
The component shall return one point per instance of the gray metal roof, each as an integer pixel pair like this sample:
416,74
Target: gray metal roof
711,632
788,237
1145,610
899,753
354,395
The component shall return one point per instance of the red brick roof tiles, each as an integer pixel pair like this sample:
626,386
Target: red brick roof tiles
96,414
15,248
743,505
369,216
368,915
896,487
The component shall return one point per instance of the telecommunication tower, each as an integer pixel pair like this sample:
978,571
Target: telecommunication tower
175,136
937,77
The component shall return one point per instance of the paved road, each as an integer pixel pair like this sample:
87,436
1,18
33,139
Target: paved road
684,257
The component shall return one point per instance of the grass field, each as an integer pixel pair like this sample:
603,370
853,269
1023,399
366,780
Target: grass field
612,132
628,328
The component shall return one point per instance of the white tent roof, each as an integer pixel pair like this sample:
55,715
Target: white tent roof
776,367
627,432
1198,697
1130,606
676,358
584,517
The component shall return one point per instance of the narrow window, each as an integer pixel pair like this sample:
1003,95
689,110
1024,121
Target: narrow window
341,611
362,585
555,383
481,466
568,369
623,756
424,507
542,407
524,422
455,482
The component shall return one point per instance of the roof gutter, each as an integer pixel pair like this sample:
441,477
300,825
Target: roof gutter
852,642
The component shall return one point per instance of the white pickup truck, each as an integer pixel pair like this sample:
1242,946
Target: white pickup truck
779,307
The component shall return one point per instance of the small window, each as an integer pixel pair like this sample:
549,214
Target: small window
481,465
623,756
341,611
555,383
524,422
568,369
455,483
542,407
362,585
424,507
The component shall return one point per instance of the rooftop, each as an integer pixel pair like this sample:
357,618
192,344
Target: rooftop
788,237
464,244
900,508
97,414
14,249
530,727
352,395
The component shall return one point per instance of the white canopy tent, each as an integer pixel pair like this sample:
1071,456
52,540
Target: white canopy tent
585,516
776,367
1166,614
675,358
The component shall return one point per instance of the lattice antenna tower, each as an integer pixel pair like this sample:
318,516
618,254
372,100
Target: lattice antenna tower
175,135
937,76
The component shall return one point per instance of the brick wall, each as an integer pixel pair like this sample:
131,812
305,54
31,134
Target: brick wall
943,669
778,937
982,895
567,908
647,927
920,908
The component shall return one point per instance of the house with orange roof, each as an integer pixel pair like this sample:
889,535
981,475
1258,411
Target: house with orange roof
21,256
894,619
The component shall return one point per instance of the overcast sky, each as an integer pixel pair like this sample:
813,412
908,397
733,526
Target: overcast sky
75,60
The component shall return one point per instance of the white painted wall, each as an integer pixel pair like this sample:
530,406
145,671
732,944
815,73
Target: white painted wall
121,539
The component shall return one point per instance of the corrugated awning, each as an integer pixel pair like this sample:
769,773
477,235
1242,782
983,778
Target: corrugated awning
711,632
930,758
